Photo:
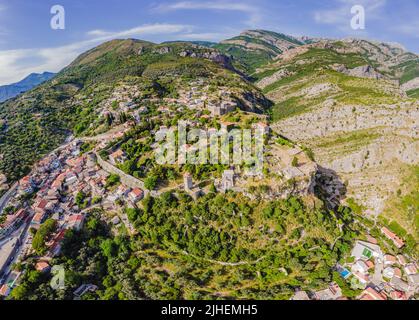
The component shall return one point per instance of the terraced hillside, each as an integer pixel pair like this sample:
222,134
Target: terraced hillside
39,120
343,100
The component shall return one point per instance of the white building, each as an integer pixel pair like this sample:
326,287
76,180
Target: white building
187,180
227,182
365,250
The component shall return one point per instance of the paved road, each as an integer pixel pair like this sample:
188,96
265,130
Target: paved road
21,235
103,136
6,197
377,277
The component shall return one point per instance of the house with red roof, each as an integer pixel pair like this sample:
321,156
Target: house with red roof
398,295
40,206
117,157
410,269
372,294
26,185
261,126
136,194
55,244
389,259
38,218
12,222
75,221
42,266
5,290
398,242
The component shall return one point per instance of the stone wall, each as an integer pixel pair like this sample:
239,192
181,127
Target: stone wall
126,179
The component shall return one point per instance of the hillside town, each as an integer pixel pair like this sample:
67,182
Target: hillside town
62,186
377,275
262,215
68,183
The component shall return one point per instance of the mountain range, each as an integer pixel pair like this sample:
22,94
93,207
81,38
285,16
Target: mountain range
353,102
31,81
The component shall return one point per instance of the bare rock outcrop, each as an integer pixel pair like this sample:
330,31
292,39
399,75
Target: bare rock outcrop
283,73
410,85
360,72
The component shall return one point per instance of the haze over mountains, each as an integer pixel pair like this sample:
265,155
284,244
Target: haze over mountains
31,81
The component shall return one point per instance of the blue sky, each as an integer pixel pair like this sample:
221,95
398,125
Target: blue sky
28,44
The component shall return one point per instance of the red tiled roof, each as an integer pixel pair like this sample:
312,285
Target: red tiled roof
366,297
38,217
25,180
410,269
389,258
18,214
361,276
262,124
371,240
397,273
397,295
374,294
75,218
137,192
117,154
4,290
392,236
401,259
58,238
42,204
41,265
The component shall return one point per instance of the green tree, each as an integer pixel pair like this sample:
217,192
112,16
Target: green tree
150,182
109,248
112,180
42,235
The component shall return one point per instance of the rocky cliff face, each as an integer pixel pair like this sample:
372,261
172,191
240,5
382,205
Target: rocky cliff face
212,55
343,100
360,72
365,147
411,85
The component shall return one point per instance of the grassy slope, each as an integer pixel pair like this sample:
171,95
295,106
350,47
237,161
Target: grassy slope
290,102
41,119
403,206
413,94
310,69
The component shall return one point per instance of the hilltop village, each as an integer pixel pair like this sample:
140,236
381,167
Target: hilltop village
123,226
96,172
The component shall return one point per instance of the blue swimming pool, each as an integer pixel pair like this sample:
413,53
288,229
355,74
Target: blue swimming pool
345,273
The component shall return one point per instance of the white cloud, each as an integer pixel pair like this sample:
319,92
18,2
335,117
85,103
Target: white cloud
410,29
253,12
206,36
340,15
98,33
14,64
153,29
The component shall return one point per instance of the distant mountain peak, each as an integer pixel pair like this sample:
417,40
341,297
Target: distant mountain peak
29,82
